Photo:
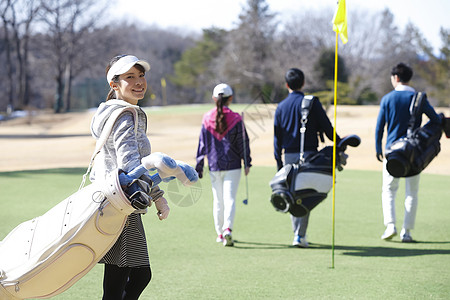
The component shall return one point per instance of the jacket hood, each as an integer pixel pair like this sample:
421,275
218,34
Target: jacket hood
103,112
209,121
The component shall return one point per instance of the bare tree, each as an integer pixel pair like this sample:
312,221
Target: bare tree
17,17
246,56
6,7
434,72
301,42
375,45
68,22
24,13
66,44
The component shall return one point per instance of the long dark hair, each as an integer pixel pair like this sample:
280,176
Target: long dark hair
221,122
112,93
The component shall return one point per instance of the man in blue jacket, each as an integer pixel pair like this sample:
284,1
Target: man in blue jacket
395,113
287,126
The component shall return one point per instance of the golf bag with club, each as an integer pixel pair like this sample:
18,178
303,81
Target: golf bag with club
45,256
298,188
410,155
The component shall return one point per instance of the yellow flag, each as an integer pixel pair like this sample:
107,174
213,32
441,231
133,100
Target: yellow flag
340,21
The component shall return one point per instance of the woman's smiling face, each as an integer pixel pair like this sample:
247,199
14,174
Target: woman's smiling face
132,86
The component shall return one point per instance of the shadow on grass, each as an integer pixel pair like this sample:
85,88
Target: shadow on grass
363,251
257,245
367,251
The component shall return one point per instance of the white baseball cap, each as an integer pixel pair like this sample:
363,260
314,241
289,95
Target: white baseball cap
124,64
224,89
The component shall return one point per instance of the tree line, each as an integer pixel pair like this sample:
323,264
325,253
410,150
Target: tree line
54,54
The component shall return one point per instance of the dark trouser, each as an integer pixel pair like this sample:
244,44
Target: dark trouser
299,224
125,283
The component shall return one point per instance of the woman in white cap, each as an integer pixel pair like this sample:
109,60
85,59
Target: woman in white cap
127,266
222,139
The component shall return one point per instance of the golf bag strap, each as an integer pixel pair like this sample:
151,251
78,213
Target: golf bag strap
106,132
415,109
305,109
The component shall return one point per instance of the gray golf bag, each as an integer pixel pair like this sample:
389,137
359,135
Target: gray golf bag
298,188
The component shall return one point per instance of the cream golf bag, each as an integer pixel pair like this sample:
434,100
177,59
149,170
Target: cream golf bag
298,188
43,257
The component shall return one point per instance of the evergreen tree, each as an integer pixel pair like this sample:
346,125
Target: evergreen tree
192,73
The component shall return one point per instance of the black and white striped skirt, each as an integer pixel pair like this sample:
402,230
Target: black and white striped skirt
130,250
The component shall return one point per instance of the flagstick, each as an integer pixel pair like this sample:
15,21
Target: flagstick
334,148
340,26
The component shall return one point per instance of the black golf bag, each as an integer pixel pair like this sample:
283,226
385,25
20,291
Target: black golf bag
410,155
298,188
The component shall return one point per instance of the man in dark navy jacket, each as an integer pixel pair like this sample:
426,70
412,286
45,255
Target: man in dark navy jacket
287,126
395,113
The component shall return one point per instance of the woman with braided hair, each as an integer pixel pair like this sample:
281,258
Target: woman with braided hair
222,140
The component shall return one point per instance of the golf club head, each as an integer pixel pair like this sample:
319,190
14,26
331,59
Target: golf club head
245,201
350,140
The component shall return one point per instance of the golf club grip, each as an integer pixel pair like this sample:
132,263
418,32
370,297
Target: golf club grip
126,179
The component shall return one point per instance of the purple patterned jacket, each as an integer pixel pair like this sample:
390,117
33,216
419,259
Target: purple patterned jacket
224,151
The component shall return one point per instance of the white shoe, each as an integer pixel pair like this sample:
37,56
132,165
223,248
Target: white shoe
219,239
300,241
390,232
227,238
405,236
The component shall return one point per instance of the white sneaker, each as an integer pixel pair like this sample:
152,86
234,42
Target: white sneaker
300,241
390,232
405,236
219,239
227,238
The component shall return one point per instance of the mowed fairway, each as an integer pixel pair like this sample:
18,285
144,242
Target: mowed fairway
186,261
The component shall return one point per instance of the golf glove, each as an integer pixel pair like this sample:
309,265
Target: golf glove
156,196
162,207
199,171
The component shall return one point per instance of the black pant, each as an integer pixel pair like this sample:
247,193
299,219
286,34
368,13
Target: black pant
125,283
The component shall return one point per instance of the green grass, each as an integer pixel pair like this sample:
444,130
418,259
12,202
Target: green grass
187,263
